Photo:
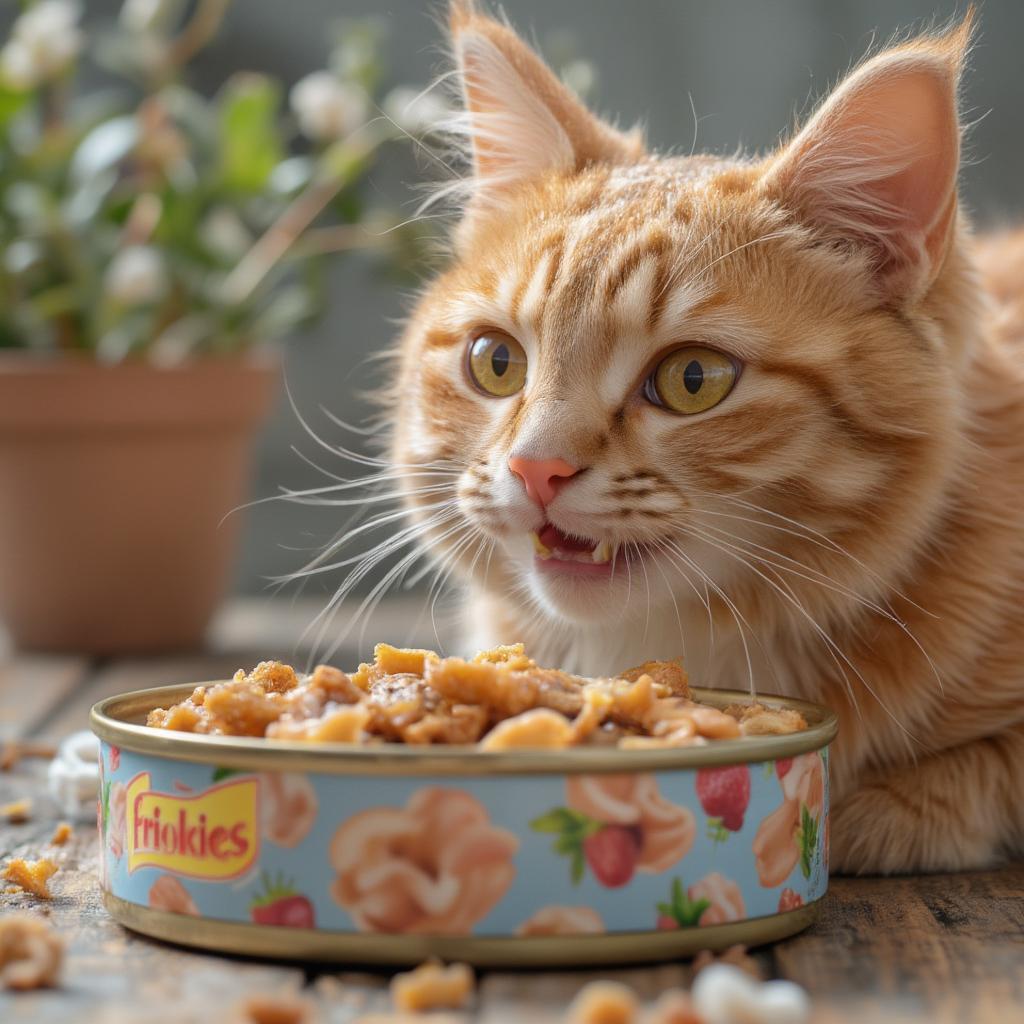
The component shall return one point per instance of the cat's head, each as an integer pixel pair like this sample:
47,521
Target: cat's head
664,379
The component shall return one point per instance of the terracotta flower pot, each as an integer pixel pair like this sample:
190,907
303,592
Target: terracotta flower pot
114,485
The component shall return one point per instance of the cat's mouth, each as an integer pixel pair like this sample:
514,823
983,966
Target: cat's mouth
556,549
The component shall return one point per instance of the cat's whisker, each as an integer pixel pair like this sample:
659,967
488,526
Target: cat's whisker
768,237
366,500
647,586
316,567
736,614
675,604
824,539
325,616
789,598
821,579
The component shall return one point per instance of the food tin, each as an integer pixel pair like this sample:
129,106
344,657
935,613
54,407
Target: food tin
389,854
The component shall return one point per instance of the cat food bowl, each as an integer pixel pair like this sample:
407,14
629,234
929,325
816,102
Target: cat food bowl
393,853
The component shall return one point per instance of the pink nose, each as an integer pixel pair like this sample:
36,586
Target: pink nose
541,475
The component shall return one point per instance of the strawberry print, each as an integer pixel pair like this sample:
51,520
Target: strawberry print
612,854
610,851
724,793
680,911
789,900
280,904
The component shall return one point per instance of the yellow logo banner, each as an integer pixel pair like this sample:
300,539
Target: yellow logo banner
212,835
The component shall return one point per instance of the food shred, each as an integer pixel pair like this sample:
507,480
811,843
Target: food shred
501,700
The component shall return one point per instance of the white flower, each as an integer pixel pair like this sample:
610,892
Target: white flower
415,111
327,108
223,232
724,994
44,40
142,15
136,276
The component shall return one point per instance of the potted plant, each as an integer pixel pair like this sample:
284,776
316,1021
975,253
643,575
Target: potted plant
154,246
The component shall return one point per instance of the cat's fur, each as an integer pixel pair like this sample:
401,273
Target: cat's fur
852,510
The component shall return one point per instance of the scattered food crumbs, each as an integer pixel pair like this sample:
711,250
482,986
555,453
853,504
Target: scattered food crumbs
31,875
31,952
674,1007
735,955
603,1002
17,812
276,1009
411,1018
13,751
61,835
432,986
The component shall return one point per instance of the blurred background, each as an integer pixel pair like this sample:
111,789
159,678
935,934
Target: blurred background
746,69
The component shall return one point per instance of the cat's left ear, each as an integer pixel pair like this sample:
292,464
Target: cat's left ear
877,165
520,119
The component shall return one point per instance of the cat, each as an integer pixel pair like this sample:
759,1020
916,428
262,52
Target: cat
765,413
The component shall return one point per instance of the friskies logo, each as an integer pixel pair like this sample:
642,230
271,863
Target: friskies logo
212,835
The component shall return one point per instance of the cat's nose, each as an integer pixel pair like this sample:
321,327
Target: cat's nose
541,476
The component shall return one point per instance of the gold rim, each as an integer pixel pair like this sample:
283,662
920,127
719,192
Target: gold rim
117,720
274,942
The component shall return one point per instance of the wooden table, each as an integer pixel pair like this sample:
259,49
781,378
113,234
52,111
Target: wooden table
937,949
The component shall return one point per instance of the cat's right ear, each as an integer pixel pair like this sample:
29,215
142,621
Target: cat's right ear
876,166
520,119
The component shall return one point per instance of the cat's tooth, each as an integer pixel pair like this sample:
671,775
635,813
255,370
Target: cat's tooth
603,552
539,546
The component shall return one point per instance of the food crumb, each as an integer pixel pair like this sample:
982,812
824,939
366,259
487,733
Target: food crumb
17,812
432,986
31,875
61,834
735,955
603,1002
13,751
31,952
271,1009
674,1007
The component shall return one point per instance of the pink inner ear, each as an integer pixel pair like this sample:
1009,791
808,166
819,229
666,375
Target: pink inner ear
914,113
879,162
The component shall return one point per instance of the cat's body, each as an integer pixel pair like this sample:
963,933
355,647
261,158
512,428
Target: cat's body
843,522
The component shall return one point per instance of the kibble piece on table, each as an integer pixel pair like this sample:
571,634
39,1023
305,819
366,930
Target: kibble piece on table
31,952
31,875
432,986
61,834
18,812
604,1002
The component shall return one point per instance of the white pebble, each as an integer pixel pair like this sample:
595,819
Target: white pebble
724,994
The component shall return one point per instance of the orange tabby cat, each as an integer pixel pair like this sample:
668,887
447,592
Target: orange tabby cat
766,412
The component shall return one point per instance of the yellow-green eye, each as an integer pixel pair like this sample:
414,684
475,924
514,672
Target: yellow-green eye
497,364
691,380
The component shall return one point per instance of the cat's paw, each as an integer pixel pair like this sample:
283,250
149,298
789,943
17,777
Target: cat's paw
885,828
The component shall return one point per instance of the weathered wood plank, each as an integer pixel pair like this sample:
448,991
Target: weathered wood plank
31,685
935,948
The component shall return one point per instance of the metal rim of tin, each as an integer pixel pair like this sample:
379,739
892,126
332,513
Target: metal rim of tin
115,720
480,950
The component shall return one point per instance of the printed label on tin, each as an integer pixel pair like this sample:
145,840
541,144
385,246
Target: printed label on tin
584,854
211,835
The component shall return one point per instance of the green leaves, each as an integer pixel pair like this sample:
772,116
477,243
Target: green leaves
12,102
807,838
684,911
224,773
105,807
250,147
571,829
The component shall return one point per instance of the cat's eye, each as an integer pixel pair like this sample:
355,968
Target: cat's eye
497,364
691,380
